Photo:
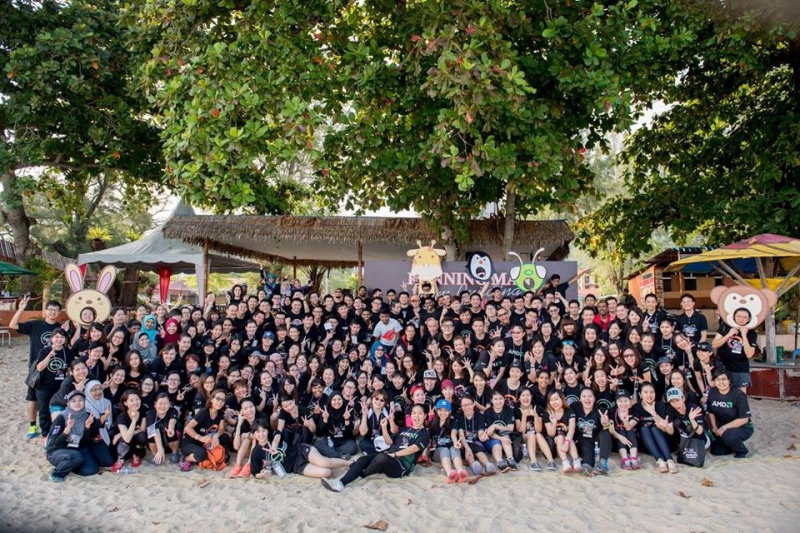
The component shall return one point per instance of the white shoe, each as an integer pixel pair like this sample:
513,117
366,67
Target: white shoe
333,485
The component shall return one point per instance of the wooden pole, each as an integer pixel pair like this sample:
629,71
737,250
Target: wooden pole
294,267
206,270
360,273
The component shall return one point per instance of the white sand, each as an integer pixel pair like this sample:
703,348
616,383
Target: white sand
760,493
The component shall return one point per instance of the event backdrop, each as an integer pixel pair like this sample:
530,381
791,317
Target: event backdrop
391,274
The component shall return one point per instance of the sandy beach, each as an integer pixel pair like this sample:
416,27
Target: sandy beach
755,494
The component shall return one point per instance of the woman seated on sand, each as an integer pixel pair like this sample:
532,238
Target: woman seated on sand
72,444
398,461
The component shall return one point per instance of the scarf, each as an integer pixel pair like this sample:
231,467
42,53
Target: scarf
172,337
151,332
98,409
79,417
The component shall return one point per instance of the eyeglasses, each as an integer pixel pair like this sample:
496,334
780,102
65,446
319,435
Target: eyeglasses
54,309
220,398
502,315
378,400
627,355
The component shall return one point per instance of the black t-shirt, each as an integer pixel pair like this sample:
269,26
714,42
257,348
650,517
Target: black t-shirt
472,427
510,392
504,419
587,426
683,424
692,326
441,432
205,423
646,419
39,333
728,407
562,423
154,422
406,438
573,394
54,375
732,352
514,352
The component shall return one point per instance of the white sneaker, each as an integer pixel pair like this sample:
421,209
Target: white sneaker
333,485
566,467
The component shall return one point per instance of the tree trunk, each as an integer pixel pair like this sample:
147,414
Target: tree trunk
14,213
448,243
508,230
130,287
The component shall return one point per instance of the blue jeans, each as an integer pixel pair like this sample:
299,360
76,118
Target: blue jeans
656,442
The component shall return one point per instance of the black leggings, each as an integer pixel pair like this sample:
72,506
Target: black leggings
586,447
189,446
374,464
629,434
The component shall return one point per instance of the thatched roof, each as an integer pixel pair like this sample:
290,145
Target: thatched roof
332,241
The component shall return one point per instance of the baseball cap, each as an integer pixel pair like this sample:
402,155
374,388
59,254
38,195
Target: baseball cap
516,364
622,393
429,374
448,383
268,335
415,388
705,346
444,404
674,394
664,360
75,393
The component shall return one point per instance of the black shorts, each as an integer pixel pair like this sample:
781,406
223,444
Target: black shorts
476,447
30,396
300,460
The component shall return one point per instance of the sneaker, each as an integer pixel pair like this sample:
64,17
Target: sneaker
346,456
587,471
602,468
566,467
491,469
462,475
625,464
185,466
136,461
662,466
33,431
235,471
452,476
502,466
55,478
672,467
537,468
740,456
333,485
245,471
476,468
576,465
513,463
635,464
551,465
175,458
116,467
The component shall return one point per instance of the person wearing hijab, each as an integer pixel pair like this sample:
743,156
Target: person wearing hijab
171,333
72,444
100,407
335,435
150,326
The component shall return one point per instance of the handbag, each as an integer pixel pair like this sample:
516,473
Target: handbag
692,452
34,376
516,445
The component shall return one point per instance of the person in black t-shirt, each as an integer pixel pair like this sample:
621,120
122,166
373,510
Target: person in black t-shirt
693,324
162,436
735,347
39,332
729,417
52,363
469,435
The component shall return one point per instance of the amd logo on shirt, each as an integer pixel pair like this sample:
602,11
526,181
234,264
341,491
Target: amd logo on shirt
724,405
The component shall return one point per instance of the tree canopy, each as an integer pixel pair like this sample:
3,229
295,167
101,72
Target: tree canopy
442,107
723,161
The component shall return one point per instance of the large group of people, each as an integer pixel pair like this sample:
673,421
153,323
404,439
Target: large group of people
286,380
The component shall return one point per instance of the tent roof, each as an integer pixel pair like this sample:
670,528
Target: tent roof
154,251
333,241
742,255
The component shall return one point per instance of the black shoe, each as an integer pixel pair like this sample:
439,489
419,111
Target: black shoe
740,456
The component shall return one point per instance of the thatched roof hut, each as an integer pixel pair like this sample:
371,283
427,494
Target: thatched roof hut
336,241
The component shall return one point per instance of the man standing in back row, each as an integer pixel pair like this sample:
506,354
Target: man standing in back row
39,333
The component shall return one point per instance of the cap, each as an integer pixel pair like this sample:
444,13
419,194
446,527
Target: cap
75,393
447,384
516,363
664,360
674,394
429,374
415,388
444,404
268,335
208,342
705,346
622,393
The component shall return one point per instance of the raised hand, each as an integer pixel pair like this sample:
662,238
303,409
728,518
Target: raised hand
325,414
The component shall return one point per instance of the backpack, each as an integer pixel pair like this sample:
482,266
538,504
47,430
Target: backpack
216,459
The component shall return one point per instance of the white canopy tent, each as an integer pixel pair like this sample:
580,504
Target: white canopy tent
153,252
